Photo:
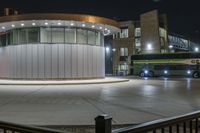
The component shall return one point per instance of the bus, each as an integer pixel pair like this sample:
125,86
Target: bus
167,64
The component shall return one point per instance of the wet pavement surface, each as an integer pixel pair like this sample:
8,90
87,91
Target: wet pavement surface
136,101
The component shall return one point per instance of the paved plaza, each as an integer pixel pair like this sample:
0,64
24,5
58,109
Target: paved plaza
136,101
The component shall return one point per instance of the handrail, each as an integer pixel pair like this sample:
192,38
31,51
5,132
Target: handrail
159,123
154,125
25,128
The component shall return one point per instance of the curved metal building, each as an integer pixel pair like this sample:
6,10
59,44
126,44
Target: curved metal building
53,46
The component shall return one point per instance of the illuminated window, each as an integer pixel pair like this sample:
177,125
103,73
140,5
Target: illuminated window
70,35
123,51
137,32
81,36
124,33
57,35
91,37
163,32
138,42
45,35
98,38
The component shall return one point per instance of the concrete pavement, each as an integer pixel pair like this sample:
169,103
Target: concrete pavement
136,101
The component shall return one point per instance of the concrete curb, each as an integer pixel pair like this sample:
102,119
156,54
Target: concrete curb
63,82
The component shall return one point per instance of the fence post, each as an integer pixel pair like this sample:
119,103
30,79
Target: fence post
103,124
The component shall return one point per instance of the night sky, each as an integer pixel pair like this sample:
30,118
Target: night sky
183,15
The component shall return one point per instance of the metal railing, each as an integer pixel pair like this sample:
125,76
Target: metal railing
188,123
7,127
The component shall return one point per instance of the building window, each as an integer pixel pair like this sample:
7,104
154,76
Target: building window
102,40
137,32
2,39
57,35
163,32
163,51
137,42
9,38
33,35
15,36
123,67
124,33
123,51
91,37
22,34
51,35
81,36
45,35
98,38
70,35
162,41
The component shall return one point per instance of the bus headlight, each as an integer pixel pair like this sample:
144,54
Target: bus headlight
165,72
188,72
146,72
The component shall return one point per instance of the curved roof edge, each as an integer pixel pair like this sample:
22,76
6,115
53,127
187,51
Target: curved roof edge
60,16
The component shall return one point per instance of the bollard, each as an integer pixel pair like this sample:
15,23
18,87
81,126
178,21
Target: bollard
103,124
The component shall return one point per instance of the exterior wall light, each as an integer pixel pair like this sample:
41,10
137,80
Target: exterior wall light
196,49
46,23
83,25
170,46
22,24
33,24
13,25
72,24
107,49
149,46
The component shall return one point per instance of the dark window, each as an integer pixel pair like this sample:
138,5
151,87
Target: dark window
166,56
33,35
22,36
3,39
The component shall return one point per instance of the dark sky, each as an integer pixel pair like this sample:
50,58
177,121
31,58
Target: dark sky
183,15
